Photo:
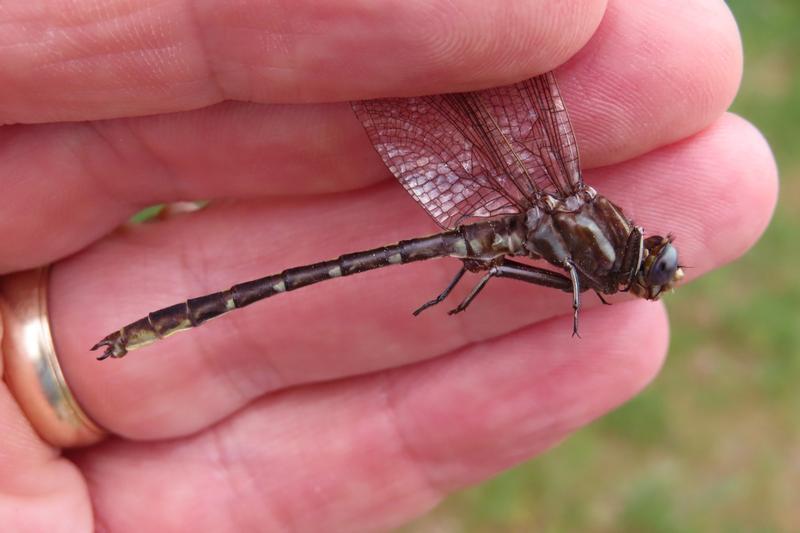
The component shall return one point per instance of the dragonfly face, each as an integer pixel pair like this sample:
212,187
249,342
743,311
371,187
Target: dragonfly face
659,270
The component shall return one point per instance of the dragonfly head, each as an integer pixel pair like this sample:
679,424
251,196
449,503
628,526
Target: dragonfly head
659,270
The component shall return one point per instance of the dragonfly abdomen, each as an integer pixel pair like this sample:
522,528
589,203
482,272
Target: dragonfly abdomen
196,311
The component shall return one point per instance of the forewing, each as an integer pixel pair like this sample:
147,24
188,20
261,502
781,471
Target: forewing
532,120
477,154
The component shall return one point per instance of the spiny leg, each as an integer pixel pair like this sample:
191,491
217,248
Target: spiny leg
445,293
493,271
521,272
576,291
633,255
599,295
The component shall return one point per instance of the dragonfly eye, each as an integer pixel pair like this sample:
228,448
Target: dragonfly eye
663,268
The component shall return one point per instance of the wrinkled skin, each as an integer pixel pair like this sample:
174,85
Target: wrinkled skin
331,407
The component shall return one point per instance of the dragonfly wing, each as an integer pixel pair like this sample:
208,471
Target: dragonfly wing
531,119
477,154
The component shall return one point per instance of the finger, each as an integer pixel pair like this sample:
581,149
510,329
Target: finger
372,453
38,487
84,63
108,171
640,83
624,100
715,192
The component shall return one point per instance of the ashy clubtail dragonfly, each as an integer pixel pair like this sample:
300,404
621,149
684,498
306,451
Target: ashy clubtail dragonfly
498,170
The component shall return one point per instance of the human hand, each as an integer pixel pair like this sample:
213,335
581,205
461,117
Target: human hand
331,407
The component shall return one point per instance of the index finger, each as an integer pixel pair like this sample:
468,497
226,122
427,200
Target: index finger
81,62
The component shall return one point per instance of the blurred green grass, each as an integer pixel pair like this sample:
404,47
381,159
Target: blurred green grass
714,443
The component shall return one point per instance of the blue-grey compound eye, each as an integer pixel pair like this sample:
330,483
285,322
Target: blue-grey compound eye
664,268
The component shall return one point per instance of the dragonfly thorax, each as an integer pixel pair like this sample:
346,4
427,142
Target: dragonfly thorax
586,230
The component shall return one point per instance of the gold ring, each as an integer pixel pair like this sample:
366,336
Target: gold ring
32,371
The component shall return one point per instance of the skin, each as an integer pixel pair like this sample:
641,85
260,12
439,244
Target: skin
331,406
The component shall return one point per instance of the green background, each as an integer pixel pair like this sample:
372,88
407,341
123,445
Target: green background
714,443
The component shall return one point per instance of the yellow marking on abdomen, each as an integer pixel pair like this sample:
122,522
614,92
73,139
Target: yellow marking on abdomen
476,245
183,325
460,248
139,338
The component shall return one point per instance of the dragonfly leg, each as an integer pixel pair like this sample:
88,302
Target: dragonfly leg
444,294
599,295
493,271
521,272
576,294
632,257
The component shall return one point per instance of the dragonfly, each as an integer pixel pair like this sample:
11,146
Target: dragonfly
499,172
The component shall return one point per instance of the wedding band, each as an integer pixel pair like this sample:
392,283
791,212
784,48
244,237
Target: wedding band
32,371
